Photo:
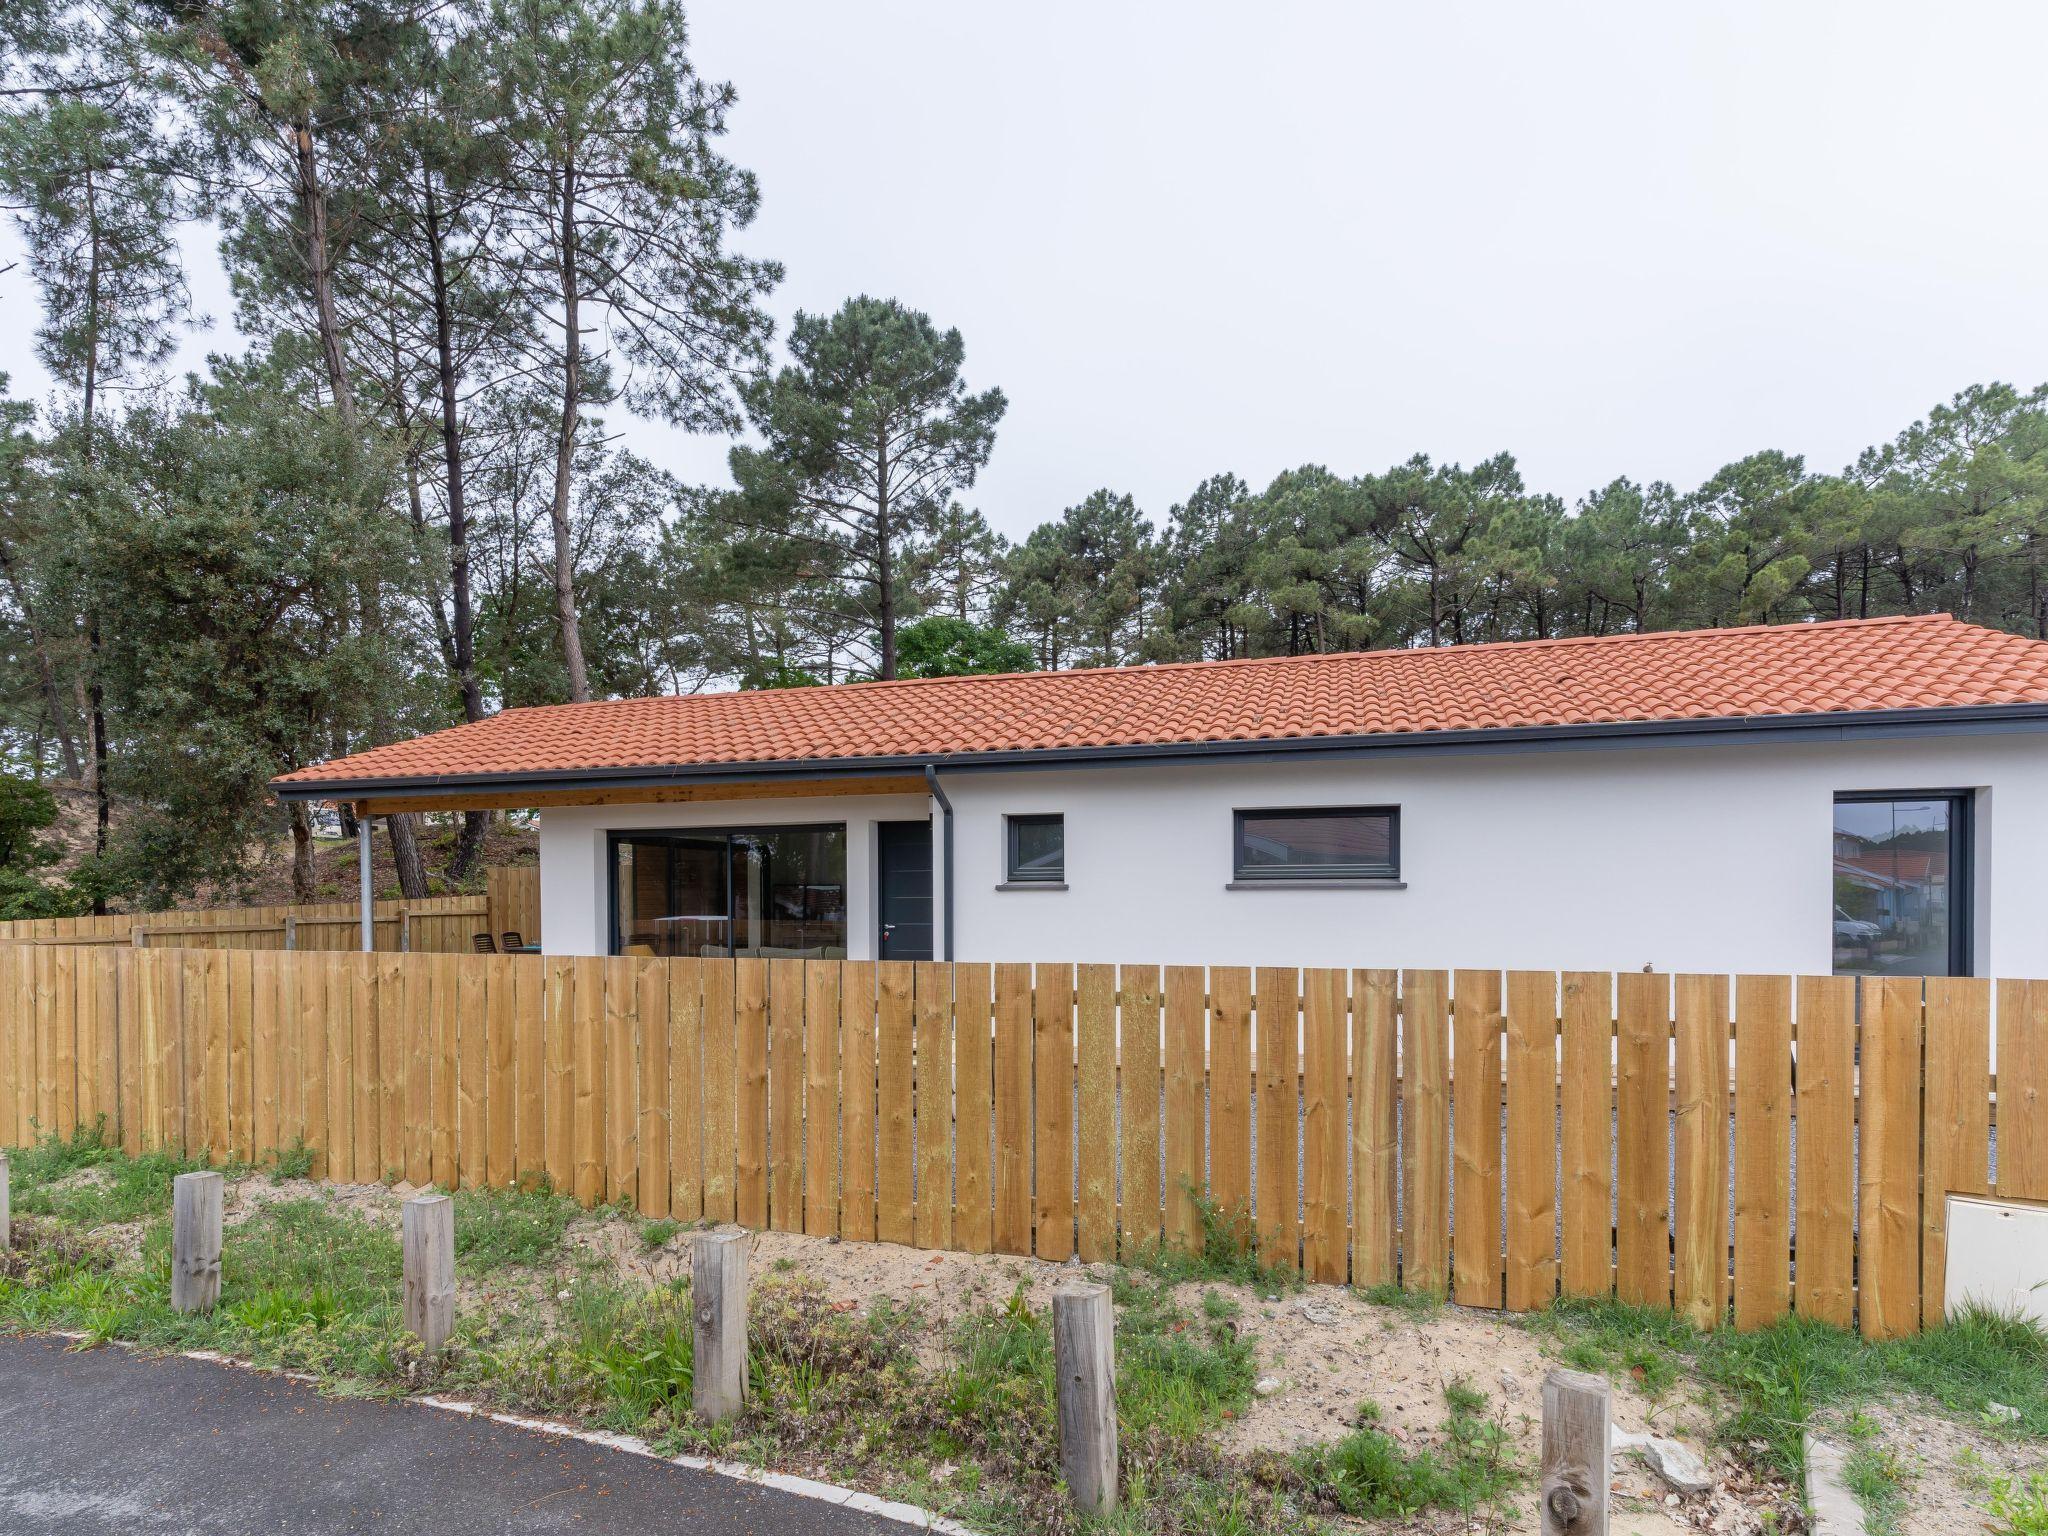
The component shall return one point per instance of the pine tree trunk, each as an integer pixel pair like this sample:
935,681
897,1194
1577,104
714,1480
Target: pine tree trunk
405,856
565,448
302,851
469,847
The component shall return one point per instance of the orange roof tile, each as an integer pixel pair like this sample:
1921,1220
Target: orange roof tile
1924,662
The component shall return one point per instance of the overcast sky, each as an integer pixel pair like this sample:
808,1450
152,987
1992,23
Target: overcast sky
1625,239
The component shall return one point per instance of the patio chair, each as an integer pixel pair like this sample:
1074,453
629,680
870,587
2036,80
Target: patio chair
511,940
483,944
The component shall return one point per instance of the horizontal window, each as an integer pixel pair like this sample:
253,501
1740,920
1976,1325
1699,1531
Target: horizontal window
1346,843
1037,850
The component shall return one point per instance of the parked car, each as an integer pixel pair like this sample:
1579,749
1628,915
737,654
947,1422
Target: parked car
1855,929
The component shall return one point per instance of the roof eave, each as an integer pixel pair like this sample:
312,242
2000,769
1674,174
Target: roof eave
1837,725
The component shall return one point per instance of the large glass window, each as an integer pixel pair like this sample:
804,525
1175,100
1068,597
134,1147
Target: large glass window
1902,885
773,891
1352,843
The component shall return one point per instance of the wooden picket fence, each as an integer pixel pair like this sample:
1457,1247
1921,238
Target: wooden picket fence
1593,1133
430,925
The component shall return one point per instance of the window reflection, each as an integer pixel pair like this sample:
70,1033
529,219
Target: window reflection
777,892
1896,906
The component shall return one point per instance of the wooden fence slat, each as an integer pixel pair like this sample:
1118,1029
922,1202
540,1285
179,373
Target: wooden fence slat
167,990
310,1000
1888,1169
1763,1094
422,1002
1186,1114
1426,1132
1586,1118
1375,1134
1824,1109
1475,1147
41,1009
895,1166
1699,1236
241,978
1141,1061
339,1000
1958,1120
785,1095
1230,1094
932,1027
620,1080
2023,1090
14,1127
128,995
64,1053
86,1030
1052,1097
719,1026
587,1042
500,1168
974,1109
366,1117
750,1006
1531,1055
651,1031
1011,1228
1324,1112
821,1097
1642,1109
529,1068
857,1100
686,1097
1095,1042
391,1050
1277,1107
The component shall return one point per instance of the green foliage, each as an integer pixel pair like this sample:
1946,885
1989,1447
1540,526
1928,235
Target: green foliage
2019,1505
86,1181
519,1228
1227,1253
943,646
659,1232
1369,1474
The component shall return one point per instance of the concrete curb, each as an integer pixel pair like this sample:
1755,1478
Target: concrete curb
911,1515
1835,1510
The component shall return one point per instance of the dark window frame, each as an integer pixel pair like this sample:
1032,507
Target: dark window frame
615,836
1013,873
1297,873
1962,879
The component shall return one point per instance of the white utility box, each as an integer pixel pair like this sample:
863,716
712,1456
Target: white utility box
1997,1256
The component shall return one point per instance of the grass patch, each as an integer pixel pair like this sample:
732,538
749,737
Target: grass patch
659,1232
1780,1379
2019,1506
1227,1253
1875,1476
85,1181
1417,1303
1473,1472
520,1228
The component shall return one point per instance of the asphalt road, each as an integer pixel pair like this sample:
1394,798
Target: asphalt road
107,1441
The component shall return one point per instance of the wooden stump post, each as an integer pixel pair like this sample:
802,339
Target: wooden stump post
1084,1356
1578,1454
718,1304
197,1202
427,1245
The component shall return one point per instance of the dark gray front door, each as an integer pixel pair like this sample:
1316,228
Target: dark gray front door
904,883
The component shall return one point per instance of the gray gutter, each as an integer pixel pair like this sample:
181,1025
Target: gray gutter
1839,726
931,779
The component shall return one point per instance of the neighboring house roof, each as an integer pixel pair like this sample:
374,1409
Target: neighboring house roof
1909,866
1874,671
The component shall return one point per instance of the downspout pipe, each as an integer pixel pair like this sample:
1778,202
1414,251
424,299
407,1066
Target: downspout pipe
363,894
938,793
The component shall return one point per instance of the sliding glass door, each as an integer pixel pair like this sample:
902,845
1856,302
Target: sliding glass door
772,891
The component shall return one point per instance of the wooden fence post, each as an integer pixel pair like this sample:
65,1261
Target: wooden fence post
718,1303
1084,1356
427,1246
1577,1454
291,932
197,1202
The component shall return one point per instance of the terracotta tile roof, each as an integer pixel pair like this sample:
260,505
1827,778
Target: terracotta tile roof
1930,662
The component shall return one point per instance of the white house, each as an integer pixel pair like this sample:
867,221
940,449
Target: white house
1863,796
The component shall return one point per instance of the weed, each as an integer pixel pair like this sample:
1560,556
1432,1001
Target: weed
1416,1303
660,1232
1228,1252
86,1181
1875,1476
1369,1474
2020,1507
292,1162
521,1228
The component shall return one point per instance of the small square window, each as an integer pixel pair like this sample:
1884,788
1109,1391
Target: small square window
1348,843
1037,851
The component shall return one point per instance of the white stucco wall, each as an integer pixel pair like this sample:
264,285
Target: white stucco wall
1711,858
